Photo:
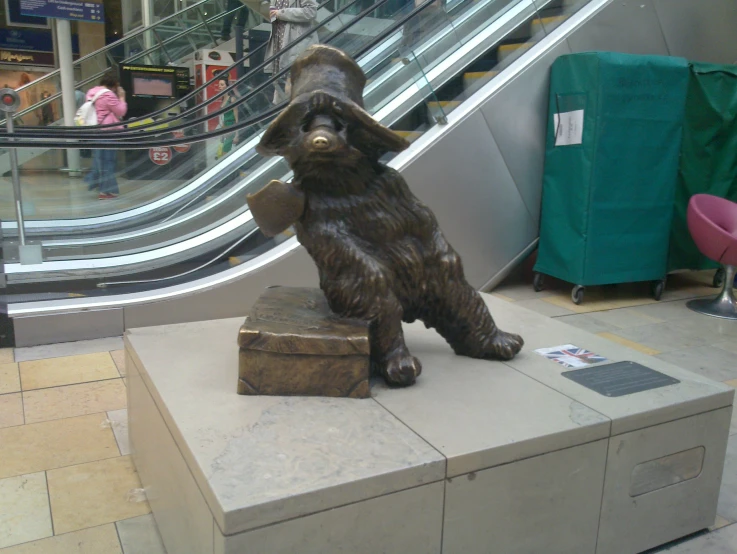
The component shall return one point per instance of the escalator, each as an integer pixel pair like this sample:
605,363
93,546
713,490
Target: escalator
383,80
481,69
170,41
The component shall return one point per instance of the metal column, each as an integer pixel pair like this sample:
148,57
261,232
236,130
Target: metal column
66,69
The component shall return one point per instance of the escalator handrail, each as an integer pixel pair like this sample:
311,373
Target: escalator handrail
382,120
117,44
226,166
43,132
75,142
212,174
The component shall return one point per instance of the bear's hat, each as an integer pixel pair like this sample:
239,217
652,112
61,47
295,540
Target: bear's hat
329,70
323,72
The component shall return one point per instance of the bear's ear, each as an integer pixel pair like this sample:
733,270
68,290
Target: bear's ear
282,131
368,135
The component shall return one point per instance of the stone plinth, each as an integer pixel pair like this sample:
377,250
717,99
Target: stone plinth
478,456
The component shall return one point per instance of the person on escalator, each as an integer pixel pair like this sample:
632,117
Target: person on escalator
228,118
111,107
290,19
246,18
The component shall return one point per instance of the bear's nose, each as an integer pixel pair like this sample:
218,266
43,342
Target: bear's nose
320,143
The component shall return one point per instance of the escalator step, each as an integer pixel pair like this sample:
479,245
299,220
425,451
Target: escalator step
506,50
474,80
445,105
411,136
546,23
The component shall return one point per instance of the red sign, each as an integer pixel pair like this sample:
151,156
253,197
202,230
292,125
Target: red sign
180,147
160,155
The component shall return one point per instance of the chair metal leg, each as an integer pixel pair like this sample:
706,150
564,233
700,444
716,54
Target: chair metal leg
724,305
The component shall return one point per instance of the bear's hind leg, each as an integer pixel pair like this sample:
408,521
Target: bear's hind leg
457,311
460,315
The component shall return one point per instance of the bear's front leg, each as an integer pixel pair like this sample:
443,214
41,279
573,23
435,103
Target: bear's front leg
358,286
389,354
366,295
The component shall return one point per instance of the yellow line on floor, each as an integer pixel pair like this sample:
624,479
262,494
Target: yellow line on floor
630,344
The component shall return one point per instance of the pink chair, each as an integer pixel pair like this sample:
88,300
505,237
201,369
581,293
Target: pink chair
712,222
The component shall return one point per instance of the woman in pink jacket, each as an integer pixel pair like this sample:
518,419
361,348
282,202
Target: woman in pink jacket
111,108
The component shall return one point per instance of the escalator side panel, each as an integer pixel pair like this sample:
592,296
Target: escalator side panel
517,115
465,181
627,27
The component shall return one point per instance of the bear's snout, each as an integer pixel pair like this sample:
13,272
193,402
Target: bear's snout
320,142
323,141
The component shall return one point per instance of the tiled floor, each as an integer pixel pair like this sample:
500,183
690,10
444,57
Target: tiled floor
67,481
68,486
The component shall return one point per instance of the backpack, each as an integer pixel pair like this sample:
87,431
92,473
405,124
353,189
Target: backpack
87,113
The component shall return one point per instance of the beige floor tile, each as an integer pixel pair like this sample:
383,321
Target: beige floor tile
74,400
731,383
698,290
11,410
625,318
599,301
24,509
564,301
502,297
63,349
54,372
97,540
719,523
540,306
119,359
9,378
95,493
6,356
53,444
617,303
630,344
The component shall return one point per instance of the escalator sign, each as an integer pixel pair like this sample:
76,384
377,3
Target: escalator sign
160,155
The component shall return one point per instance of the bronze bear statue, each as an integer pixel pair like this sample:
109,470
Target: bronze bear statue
379,251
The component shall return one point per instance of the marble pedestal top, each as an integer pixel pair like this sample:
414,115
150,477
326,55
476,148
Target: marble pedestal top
261,460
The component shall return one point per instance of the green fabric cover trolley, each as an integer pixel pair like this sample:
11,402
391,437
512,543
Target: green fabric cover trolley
613,142
708,156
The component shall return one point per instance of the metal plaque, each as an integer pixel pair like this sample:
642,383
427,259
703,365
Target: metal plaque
620,378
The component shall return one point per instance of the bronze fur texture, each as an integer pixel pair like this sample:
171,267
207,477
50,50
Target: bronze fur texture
379,251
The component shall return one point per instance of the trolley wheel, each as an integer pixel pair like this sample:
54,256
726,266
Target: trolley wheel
719,277
577,294
657,288
538,282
